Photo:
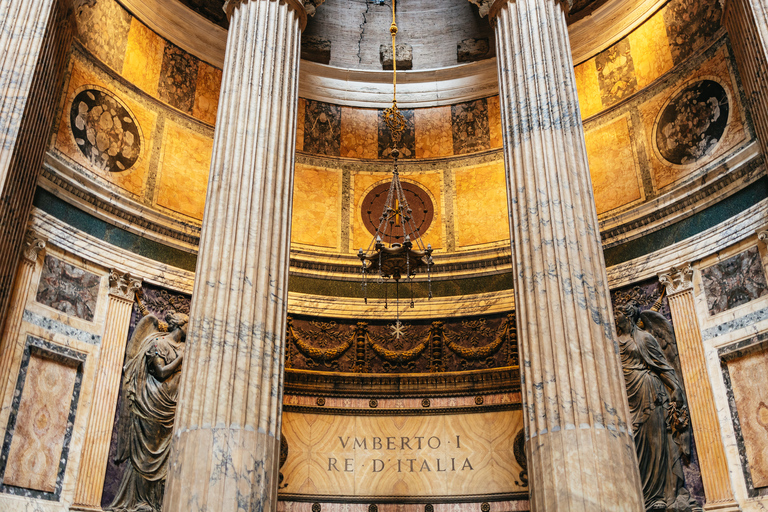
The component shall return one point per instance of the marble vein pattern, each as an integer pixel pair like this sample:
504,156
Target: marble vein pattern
178,78
690,24
207,93
469,123
322,128
68,289
735,281
616,73
57,327
103,27
573,386
41,422
736,324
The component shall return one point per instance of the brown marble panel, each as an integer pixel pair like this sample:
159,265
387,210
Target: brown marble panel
143,57
734,281
67,288
409,455
103,27
690,24
751,396
433,132
178,78
207,93
616,73
359,132
300,117
41,425
470,127
494,122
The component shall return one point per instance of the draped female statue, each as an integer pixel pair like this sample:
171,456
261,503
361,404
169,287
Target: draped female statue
658,408
150,389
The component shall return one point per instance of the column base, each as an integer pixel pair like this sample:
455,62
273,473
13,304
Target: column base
722,506
86,508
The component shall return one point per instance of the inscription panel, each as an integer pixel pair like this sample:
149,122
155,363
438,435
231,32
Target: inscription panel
402,456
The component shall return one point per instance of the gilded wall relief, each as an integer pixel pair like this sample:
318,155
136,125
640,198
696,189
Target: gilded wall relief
408,139
735,281
410,347
35,450
690,24
616,73
68,289
178,78
693,122
105,130
470,127
322,128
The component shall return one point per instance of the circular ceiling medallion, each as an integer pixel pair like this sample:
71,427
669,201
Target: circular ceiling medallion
693,122
105,131
418,200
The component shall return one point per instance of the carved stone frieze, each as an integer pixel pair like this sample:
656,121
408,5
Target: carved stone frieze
33,244
678,279
122,285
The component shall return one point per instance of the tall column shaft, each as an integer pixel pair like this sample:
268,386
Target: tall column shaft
701,401
747,24
35,37
10,333
581,455
226,437
93,462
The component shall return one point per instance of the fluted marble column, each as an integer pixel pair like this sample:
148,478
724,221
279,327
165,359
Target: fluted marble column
93,462
226,437
701,402
747,25
35,36
580,453
31,250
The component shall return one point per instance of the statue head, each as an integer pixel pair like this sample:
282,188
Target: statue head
625,317
177,321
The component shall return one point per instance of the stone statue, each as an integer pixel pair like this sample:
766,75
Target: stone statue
658,409
151,380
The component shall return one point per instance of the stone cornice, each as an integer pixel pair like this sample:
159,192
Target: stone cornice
678,279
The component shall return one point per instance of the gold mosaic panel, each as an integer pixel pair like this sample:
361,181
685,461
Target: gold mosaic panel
433,132
480,207
316,206
494,122
143,57
588,88
300,118
359,132
612,164
650,50
207,93
182,176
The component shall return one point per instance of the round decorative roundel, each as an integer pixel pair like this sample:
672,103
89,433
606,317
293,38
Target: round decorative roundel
105,130
693,122
418,200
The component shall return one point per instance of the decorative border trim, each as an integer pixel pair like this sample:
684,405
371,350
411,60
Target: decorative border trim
56,327
727,354
63,355
340,411
466,498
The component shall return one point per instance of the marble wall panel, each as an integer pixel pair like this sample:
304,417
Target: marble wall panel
588,88
470,127
102,26
132,180
408,455
322,128
433,132
207,93
613,166
41,425
480,206
734,281
407,141
650,51
68,289
747,375
359,133
316,206
616,73
300,119
178,78
182,175
494,122
656,117
690,24
143,57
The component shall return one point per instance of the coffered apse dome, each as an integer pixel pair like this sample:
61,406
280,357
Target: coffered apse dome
185,186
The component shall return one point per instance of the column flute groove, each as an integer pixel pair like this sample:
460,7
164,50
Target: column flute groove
580,452
225,449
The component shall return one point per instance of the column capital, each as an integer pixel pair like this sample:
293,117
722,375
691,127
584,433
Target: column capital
302,8
762,236
491,8
122,285
33,244
678,279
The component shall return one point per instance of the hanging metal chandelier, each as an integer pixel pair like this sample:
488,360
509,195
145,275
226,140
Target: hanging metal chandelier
405,254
